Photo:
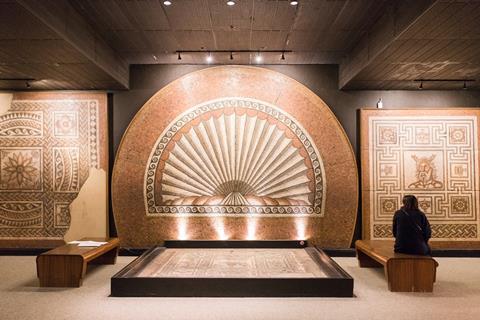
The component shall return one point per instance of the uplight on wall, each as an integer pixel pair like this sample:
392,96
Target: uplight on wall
209,58
258,58
182,228
300,226
219,226
251,228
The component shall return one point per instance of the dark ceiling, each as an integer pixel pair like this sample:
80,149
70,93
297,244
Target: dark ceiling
378,44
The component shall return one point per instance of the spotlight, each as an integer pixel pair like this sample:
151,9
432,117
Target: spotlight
167,3
293,3
421,85
258,58
379,104
283,56
464,85
209,58
231,55
27,84
179,56
230,3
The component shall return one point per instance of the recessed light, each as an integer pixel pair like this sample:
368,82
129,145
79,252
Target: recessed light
167,3
293,3
230,3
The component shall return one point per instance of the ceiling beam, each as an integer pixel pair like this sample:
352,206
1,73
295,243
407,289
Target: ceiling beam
63,19
398,17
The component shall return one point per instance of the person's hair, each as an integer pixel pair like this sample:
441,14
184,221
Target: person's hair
410,202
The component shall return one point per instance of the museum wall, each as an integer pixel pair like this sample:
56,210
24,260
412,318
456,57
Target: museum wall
322,80
146,80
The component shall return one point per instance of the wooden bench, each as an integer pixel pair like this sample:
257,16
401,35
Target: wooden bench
66,266
404,272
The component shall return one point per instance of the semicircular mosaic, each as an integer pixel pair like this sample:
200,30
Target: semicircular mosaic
235,152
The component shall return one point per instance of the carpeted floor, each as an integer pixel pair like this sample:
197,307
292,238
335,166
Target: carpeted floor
456,296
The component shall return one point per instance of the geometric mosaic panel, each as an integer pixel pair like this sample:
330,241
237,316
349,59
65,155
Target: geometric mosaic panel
47,148
21,214
66,169
434,157
62,214
66,124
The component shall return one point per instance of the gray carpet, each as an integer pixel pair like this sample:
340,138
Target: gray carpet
456,296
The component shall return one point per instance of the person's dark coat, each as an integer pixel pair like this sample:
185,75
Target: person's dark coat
411,230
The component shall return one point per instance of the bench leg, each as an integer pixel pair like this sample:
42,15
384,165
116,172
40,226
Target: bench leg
61,271
364,261
405,275
109,257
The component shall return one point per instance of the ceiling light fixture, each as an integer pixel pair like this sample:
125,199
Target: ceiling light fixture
293,3
453,82
27,84
167,3
230,3
258,58
209,58
380,104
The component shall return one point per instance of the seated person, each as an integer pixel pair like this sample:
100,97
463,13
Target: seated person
411,228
